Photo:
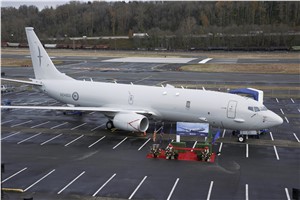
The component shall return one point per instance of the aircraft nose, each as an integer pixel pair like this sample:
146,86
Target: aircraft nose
274,119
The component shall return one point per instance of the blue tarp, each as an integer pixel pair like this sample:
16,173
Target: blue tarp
247,91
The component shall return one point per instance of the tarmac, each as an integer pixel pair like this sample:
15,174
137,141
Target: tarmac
49,155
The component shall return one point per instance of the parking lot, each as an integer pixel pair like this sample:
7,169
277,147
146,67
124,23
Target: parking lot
49,154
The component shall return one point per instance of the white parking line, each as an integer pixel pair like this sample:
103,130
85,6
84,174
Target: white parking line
59,125
247,151
136,189
210,189
51,139
287,194
298,110
7,121
271,136
144,144
173,188
287,121
220,148
21,123
247,192
276,152
29,138
292,100
39,180
224,133
91,113
281,111
205,60
15,174
97,127
277,100
71,182
120,143
10,135
104,185
73,140
78,126
96,141
40,124
296,137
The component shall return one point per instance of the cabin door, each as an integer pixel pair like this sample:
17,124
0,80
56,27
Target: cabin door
231,109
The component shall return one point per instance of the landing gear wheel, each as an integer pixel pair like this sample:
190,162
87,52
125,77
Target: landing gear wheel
241,138
109,125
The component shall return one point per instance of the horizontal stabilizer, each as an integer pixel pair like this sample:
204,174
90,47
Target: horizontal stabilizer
33,82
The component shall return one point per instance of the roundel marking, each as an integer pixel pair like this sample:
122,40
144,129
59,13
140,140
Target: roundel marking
75,96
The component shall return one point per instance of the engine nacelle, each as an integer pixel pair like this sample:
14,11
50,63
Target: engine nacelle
131,122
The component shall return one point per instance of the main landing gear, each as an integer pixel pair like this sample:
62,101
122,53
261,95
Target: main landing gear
110,125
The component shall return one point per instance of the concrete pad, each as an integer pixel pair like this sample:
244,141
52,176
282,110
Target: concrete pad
150,60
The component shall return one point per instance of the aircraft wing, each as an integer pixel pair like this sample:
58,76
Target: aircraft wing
68,108
32,82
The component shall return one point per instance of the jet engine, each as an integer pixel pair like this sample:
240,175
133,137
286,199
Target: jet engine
131,122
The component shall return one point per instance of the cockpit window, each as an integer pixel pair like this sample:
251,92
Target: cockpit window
264,108
257,109
251,108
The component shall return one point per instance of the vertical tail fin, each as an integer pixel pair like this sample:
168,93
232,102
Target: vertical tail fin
41,62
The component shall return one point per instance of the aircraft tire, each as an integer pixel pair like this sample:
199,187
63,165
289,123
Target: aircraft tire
109,125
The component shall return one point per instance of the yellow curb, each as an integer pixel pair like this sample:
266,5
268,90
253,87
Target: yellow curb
12,190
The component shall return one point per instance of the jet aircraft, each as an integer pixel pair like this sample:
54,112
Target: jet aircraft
130,107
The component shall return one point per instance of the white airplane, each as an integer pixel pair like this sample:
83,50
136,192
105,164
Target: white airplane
129,107
192,130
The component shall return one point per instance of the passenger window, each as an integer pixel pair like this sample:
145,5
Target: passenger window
256,109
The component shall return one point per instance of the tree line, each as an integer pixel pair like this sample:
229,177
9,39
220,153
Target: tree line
170,25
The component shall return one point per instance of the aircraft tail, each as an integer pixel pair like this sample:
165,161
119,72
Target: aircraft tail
42,65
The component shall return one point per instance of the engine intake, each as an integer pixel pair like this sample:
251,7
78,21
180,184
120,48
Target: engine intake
131,122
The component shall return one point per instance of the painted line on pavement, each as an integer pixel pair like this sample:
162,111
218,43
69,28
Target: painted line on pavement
281,111
7,121
209,190
205,60
10,135
74,140
136,189
120,143
275,149
220,148
29,138
15,174
277,100
296,137
247,151
292,100
173,188
97,127
21,123
78,126
287,194
51,139
104,185
97,141
40,124
59,125
144,144
39,180
223,135
71,182
247,192
271,135
287,121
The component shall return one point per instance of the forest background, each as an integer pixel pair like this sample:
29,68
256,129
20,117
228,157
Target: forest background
169,25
